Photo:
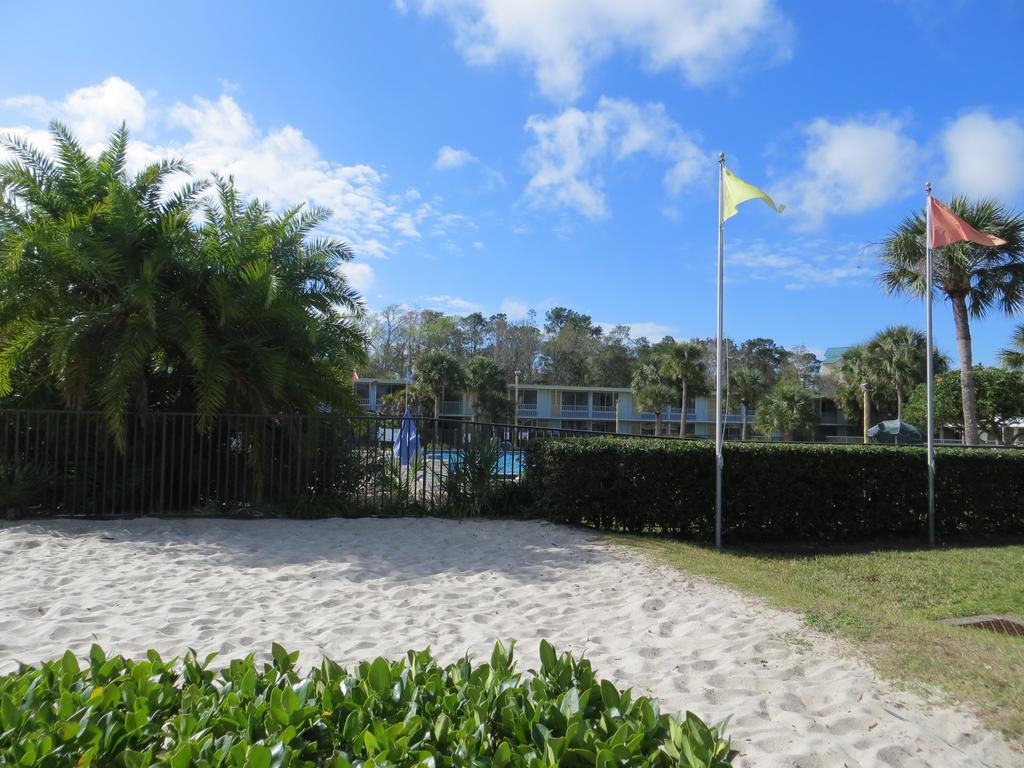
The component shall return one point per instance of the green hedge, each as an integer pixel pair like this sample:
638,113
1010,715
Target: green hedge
775,491
410,712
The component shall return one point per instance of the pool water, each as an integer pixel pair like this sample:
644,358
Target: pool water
509,464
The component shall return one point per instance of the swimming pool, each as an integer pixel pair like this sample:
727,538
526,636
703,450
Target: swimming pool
509,464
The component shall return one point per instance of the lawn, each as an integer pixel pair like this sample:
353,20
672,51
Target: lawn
888,604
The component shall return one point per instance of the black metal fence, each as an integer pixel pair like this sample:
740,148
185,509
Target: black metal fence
69,462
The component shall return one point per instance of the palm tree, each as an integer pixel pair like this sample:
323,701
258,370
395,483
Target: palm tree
683,365
651,392
486,384
281,329
858,368
748,384
437,371
898,355
88,259
1013,358
112,298
788,409
973,278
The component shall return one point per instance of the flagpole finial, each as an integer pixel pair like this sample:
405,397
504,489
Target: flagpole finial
721,157
928,187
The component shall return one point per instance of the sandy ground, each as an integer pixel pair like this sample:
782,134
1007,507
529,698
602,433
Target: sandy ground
354,589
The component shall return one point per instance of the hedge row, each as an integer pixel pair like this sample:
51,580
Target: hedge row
411,712
775,491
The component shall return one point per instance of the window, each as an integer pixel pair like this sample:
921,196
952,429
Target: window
604,400
528,397
578,399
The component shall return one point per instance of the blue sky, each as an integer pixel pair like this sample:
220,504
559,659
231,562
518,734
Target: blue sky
502,154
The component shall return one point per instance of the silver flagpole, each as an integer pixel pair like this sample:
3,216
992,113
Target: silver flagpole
929,373
718,354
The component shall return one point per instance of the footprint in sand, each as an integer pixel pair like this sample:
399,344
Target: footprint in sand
653,605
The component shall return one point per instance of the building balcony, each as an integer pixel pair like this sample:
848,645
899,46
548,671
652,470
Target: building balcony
574,412
527,410
604,412
453,408
364,403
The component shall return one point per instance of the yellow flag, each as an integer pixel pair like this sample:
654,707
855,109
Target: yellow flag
735,191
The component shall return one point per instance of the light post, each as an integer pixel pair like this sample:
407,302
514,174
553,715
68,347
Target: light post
743,411
866,389
515,412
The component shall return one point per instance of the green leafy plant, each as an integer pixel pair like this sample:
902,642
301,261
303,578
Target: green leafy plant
470,482
410,712
789,492
22,488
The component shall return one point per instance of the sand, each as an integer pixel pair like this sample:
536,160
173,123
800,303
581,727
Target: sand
355,589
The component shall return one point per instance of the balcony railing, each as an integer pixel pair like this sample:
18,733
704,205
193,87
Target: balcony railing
527,409
364,403
575,411
604,412
453,408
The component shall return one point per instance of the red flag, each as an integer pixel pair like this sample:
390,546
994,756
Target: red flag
948,228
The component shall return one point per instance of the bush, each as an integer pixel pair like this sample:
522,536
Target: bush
775,491
410,712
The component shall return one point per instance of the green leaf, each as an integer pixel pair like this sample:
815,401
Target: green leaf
281,660
502,755
258,756
10,715
182,757
96,655
380,675
548,658
69,664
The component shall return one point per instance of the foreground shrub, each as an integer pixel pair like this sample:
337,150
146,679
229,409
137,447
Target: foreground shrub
410,712
780,491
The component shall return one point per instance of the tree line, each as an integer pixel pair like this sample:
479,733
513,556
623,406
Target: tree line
131,292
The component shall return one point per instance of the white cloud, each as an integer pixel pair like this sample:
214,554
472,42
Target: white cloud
801,263
360,275
280,165
850,167
984,156
453,304
450,157
514,309
571,148
94,112
560,39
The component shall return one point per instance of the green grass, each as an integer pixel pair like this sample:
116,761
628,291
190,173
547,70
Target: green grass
888,603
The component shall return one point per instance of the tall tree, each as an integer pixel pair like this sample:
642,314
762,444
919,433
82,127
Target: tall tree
748,385
652,392
1013,356
1000,396
900,356
439,371
858,367
788,410
974,279
488,388
682,364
